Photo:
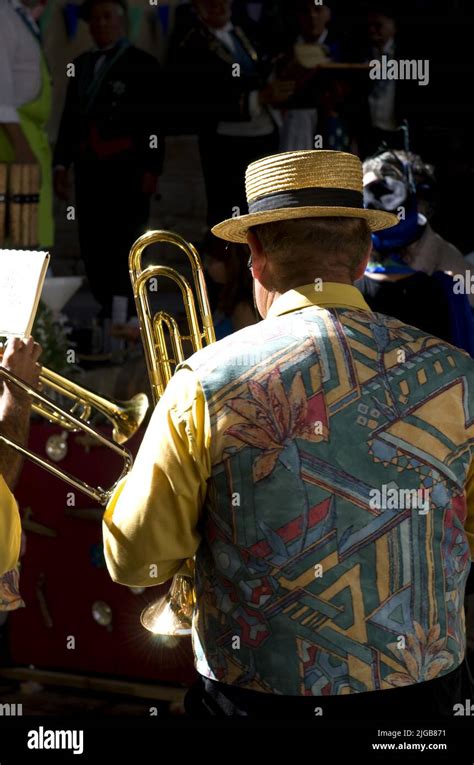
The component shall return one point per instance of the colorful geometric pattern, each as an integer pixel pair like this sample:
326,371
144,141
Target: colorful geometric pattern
303,586
10,598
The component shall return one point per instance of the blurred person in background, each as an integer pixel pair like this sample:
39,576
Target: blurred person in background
231,285
25,100
410,272
111,133
265,22
381,33
314,108
219,89
385,103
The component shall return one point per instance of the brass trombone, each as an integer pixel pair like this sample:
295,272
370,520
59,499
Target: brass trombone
159,362
126,418
171,615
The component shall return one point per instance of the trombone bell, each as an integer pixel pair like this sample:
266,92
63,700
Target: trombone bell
47,408
172,614
128,416
125,416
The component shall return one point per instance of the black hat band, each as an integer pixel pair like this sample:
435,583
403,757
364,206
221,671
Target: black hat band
309,197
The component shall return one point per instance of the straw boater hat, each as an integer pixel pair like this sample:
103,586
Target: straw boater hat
303,184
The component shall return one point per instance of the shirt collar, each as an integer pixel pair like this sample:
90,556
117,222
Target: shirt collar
96,49
320,39
331,295
229,27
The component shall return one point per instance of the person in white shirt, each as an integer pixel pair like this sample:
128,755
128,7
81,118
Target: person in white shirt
301,123
381,31
25,99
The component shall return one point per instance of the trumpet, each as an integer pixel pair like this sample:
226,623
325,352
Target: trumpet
171,615
126,418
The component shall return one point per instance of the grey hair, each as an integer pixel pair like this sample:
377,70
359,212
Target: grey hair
303,249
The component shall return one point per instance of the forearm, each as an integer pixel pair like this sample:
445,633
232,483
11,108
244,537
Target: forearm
16,137
151,522
14,424
149,527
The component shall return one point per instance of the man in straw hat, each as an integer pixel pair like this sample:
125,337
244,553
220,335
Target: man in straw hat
317,465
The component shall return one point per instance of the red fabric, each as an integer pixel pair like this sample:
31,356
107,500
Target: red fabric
75,576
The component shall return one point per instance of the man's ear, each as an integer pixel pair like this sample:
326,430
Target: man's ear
259,258
254,243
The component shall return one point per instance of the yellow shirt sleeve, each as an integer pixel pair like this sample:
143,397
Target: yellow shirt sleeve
469,525
10,529
150,523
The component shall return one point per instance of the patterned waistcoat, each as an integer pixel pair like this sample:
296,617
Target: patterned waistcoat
333,557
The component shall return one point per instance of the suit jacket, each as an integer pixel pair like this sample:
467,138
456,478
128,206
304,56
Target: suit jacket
201,86
409,97
111,116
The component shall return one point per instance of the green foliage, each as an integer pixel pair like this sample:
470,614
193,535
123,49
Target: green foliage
53,335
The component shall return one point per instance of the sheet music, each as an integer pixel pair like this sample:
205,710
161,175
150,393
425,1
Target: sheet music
22,274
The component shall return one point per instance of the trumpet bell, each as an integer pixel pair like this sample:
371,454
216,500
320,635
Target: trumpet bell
129,418
172,614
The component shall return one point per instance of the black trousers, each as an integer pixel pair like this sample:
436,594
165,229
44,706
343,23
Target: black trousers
432,700
112,212
224,161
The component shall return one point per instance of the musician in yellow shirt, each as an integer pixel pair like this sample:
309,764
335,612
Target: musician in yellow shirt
20,357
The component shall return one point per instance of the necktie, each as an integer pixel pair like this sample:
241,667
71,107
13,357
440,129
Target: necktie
100,57
241,56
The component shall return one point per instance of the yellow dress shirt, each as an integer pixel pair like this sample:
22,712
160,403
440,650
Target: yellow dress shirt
151,522
10,529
